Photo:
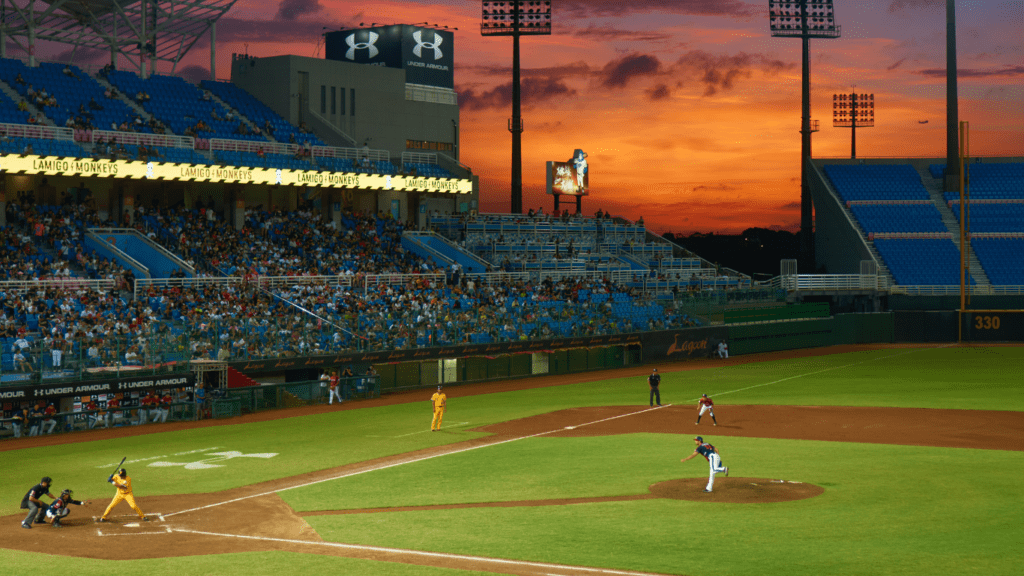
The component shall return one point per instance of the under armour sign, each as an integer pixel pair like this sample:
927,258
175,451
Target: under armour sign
420,45
368,46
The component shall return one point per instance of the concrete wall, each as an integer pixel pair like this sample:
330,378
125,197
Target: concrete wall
383,118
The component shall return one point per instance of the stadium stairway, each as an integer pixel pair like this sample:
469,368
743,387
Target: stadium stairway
935,191
123,98
13,95
245,119
157,259
441,251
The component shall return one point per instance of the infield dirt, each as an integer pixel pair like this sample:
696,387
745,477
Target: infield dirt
254,518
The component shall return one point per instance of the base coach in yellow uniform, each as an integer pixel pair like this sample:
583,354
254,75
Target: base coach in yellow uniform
123,482
438,402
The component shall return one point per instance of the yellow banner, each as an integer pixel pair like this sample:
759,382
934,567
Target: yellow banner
138,170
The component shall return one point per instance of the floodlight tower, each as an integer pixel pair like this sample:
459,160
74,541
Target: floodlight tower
853,111
516,18
804,19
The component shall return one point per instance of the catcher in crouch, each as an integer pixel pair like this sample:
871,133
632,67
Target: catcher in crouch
123,482
59,508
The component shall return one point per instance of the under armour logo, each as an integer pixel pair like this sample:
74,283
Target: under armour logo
420,44
353,45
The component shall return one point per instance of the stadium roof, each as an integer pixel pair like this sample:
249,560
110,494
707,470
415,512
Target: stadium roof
167,28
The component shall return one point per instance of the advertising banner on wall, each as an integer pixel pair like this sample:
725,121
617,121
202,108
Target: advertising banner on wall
571,178
55,390
138,170
683,344
427,55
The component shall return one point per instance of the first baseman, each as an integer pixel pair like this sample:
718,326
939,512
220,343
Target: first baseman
710,453
706,405
438,401
124,492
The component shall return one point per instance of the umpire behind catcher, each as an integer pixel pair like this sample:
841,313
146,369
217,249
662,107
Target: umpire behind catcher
36,507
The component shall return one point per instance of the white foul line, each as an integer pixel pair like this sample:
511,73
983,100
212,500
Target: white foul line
826,370
422,431
394,464
481,559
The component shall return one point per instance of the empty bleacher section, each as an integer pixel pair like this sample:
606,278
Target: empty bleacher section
876,182
259,154
41,140
76,95
996,194
181,106
898,217
260,114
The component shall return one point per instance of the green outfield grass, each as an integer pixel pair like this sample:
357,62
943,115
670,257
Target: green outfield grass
886,509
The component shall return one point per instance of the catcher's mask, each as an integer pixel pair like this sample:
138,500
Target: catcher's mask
66,494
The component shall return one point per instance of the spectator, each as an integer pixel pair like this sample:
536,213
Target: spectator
68,72
19,80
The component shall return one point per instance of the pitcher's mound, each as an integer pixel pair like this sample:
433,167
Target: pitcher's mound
736,490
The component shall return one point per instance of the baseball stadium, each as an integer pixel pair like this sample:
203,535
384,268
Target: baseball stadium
227,320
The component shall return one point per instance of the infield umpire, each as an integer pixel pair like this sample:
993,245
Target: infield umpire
654,381
36,507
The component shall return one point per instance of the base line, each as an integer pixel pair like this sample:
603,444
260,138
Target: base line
827,370
481,559
394,464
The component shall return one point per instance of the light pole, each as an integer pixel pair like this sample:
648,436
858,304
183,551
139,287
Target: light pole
516,18
853,111
804,19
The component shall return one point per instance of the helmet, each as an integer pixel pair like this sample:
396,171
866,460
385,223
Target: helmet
46,480
123,472
699,439
438,387
67,492
655,370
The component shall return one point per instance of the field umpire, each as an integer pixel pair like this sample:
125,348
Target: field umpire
654,381
36,507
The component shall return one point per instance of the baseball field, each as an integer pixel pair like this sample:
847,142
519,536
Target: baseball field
847,460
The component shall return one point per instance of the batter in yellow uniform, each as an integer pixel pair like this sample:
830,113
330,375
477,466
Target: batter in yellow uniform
438,401
124,492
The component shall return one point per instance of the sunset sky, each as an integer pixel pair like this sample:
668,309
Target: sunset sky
689,109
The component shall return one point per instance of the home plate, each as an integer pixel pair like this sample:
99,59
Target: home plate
132,525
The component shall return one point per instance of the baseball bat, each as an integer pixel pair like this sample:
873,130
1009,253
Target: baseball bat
111,479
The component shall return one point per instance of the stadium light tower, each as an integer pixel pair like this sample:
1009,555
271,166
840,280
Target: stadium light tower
804,19
516,18
853,111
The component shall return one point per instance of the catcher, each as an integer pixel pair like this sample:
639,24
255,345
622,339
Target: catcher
124,492
438,401
59,508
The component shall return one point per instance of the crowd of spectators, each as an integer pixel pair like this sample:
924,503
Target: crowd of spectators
95,327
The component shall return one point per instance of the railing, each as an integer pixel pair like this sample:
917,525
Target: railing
419,157
326,124
57,283
118,254
252,146
149,242
136,138
830,282
955,290
399,279
372,154
432,94
491,277
265,282
37,131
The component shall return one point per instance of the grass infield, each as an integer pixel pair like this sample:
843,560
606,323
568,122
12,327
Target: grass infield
887,509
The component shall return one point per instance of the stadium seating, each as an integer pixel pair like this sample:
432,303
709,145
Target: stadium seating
876,182
42,147
1002,259
921,262
259,113
70,93
996,217
428,170
885,217
282,161
179,104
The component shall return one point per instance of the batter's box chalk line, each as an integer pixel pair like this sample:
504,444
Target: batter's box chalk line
164,530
